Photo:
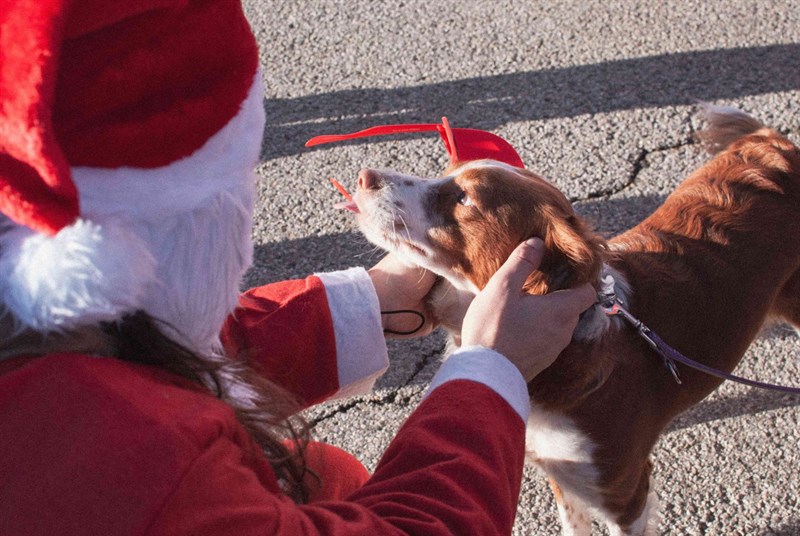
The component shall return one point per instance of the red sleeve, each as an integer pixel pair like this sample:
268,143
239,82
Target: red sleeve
285,330
454,468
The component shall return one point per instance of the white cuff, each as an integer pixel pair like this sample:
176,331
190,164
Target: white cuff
490,368
361,354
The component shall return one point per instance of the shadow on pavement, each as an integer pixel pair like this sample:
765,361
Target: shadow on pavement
490,101
753,402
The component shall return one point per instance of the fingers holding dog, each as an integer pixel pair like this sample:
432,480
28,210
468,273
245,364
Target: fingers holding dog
529,330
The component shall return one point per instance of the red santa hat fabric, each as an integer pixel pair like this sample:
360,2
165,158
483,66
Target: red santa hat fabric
118,122
35,185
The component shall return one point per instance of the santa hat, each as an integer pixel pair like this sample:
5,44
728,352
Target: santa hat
131,188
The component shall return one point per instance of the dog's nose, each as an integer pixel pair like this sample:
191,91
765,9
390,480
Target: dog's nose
369,179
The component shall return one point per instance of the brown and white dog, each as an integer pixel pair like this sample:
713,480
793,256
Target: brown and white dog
719,258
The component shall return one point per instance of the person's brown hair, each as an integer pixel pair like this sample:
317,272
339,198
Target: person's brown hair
269,414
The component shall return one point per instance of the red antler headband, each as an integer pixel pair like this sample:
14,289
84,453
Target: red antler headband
462,144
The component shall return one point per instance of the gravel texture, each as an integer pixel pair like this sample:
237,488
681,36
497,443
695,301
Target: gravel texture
598,96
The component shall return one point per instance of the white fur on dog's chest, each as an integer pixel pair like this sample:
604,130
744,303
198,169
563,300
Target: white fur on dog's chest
555,443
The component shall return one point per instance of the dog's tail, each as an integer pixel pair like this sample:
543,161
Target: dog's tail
724,125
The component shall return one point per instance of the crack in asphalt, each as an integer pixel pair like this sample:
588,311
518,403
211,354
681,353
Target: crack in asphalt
391,397
422,363
638,163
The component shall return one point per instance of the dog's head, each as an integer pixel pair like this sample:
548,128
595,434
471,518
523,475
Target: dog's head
464,225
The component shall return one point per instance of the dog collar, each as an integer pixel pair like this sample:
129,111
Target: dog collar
462,144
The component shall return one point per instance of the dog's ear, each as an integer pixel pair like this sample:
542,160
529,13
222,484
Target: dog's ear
573,255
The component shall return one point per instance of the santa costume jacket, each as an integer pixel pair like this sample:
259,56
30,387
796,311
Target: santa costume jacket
128,134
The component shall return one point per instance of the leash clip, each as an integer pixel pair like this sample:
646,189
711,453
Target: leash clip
612,306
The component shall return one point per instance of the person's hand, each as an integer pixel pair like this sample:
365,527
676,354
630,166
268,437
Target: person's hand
529,330
402,288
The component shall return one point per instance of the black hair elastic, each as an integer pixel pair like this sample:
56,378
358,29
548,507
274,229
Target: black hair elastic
401,311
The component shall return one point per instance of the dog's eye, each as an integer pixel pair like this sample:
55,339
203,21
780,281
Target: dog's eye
465,199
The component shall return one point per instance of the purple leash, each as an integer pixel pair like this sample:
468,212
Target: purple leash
670,355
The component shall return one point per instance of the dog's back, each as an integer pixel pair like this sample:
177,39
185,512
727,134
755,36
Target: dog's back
728,125
706,269
711,264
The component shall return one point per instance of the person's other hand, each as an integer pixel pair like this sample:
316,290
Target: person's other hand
529,330
401,288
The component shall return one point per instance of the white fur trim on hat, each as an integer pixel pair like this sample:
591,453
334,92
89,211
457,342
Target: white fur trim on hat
172,241
87,273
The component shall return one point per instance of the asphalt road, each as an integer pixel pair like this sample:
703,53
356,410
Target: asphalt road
598,96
